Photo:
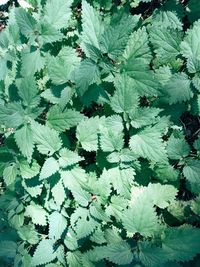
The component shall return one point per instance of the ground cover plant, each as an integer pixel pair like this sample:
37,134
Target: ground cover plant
99,121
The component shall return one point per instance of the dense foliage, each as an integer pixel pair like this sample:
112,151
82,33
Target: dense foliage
97,165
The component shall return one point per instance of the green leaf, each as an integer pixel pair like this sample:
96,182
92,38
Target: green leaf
26,23
121,100
144,116
12,115
115,37
148,144
111,140
161,195
44,253
10,174
28,91
122,180
190,48
63,120
167,19
86,133
137,50
28,234
57,13
151,255
119,253
166,43
57,225
37,214
61,67
24,140
32,61
8,249
141,218
181,243
74,259
68,158
73,181
47,140
177,148
191,171
58,193
29,170
49,167
178,88
49,34
92,26
87,74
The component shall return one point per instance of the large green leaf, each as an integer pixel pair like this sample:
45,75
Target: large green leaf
44,253
57,13
63,120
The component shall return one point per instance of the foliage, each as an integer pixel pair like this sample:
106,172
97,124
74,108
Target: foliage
95,166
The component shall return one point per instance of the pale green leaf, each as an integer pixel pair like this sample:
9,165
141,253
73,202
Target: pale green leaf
57,225
63,120
49,167
44,253
57,13
24,140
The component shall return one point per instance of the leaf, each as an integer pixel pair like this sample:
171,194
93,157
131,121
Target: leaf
37,214
114,39
92,26
74,258
190,48
141,218
151,255
48,34
58,193
191,172
161,195
24,140
166,43
32,61
82,79
44,253
49,167
111,140
121,100
148,144
26,23
86,133
63,120
10,174
57,225
73,181
47,140
28,91
61,67
122,180
137,49
68,158
119,253
57,13
178,88
177,148
144,116
12,115
181,243
29,170
8,249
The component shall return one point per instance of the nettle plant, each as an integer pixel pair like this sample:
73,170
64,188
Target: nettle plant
95,167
